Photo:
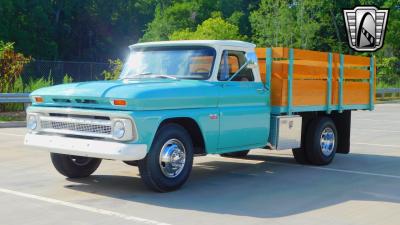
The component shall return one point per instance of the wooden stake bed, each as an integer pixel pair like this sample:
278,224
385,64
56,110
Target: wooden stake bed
303,80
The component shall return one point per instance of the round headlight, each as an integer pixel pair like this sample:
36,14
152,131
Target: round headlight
119,129
31,123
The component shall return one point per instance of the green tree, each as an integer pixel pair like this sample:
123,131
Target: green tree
114,71
177,15
213,28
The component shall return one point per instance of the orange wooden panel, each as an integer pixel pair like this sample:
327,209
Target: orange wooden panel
356,74
310,55
302,71
261,67
280,52
336,66
309,92
261,53
305,92
310,72
355,93
279,69
276,91
335,92
352,60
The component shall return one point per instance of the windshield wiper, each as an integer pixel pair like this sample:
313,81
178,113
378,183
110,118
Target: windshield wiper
151,76
138,74
166,76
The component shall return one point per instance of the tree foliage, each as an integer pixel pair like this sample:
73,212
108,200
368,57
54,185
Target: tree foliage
90,30
179,15
211,29
115,68
11,66
97,30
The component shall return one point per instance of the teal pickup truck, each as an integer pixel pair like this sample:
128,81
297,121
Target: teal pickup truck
180,99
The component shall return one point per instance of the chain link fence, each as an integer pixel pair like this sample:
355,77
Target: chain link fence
78,71
87,71
393,82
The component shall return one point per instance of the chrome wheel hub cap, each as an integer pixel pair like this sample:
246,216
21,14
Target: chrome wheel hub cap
172,158
327,141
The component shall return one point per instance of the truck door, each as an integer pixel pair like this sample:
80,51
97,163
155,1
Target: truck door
244,114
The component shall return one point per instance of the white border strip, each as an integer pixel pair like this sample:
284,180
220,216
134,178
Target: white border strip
82,207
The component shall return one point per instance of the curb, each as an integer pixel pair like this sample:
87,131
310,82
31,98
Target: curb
12,124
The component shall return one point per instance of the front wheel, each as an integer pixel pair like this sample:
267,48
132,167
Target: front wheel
169,162
74,166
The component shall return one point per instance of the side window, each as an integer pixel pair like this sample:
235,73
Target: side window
231,62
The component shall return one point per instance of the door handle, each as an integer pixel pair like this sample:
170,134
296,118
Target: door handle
261,90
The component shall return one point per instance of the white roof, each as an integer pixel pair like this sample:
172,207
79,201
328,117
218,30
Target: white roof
211,43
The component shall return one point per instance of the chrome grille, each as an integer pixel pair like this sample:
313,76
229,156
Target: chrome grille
76,126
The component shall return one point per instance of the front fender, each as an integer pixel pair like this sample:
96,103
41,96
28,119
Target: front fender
148,122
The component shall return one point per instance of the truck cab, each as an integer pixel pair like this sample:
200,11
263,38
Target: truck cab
175,100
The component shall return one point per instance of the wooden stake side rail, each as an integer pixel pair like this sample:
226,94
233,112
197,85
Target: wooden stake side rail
303,80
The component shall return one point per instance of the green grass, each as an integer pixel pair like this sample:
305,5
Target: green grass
10,118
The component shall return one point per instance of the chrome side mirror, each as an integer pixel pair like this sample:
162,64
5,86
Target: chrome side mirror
251,60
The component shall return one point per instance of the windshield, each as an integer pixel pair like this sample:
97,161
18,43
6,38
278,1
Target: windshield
170,62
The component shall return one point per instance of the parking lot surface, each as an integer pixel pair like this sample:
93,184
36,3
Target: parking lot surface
267,187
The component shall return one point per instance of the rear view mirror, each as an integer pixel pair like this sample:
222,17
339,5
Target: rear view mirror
251,60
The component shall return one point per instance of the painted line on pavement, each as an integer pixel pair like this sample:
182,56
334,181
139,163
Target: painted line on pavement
10,134
341,170
378,130
378,145
82,207
376,120
316,167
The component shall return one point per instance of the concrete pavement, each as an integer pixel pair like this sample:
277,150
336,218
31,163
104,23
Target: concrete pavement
267,187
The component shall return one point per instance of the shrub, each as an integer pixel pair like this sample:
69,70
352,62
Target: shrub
11,66
114,71
67,79
388,72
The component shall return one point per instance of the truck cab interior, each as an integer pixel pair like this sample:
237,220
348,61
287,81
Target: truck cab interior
231,62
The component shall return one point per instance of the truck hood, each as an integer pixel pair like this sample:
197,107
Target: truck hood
149,94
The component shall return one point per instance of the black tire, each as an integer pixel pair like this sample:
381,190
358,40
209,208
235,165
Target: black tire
150,167
300,155
239,154
314,150
74,166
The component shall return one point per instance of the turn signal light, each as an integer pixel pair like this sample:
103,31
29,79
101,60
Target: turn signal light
38,99
119,102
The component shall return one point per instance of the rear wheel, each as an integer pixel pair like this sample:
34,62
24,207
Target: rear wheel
74,166
300,155
321,141
169,162
239,154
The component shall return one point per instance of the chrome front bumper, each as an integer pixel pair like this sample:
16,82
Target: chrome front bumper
86,147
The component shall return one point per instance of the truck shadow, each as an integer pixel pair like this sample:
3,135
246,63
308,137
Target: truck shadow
263,186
